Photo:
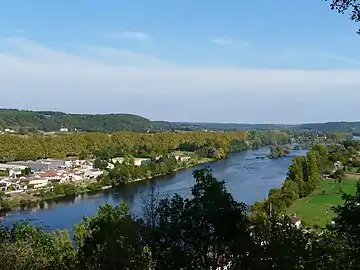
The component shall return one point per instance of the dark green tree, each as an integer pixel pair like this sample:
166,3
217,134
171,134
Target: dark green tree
111,240
347,6
191,233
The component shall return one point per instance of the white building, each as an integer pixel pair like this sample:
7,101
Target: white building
64,129
38,182
4,185
137,161
141,161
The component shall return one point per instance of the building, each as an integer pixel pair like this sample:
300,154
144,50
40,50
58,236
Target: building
10,166
117,160
38,182
141,161
64,130
137,161
4,185
295,220
41,164
92,173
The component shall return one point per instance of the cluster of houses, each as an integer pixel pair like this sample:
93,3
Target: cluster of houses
18,176
23,175
7,130
142,161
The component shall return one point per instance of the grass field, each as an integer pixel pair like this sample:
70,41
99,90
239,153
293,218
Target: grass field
312,210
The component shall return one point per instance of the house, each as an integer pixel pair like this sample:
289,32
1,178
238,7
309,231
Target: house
137,161
41,164
337,165
49,174
110,166
13,173
179,156
117,160
86,164
295,220
4,185
93,173
10,166
141,161
38,182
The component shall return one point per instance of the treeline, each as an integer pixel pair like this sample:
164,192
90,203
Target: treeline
26,122
126,171
210,230
104,146
306,171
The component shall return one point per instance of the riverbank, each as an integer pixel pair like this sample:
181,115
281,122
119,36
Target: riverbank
315,210
81,187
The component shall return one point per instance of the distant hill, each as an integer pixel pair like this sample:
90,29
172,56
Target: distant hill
24,121
217,126
353,127
21,120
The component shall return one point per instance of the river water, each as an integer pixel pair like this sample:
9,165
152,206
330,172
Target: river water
248,178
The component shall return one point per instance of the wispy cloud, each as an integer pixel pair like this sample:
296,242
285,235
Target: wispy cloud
313,56
222,41
230,41
139,36
126,57
338,58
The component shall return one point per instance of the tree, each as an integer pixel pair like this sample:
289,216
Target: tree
25,247
344,6
111,240
192,232
280,245
347,222
26,171
100,164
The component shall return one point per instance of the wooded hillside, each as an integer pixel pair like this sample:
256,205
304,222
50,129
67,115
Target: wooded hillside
31,121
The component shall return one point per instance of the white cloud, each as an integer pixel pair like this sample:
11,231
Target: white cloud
36,77
222,41
229,41
338,58
296,54
139,36
126,57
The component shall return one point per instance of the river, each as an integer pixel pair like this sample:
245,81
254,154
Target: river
248,178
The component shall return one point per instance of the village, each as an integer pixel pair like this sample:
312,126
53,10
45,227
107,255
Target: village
21,176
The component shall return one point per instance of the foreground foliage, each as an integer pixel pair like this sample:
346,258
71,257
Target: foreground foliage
207,231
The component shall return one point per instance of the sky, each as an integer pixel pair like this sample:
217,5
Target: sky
228,61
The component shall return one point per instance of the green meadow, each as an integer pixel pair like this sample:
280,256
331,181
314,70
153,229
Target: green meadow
315,209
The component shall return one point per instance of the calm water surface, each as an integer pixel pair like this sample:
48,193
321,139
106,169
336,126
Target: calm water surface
248,179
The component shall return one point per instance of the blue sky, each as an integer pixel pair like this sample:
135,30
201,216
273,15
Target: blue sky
235,61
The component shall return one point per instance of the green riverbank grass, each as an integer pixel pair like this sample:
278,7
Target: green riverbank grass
315,209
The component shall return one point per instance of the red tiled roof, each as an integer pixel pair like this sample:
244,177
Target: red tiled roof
48,173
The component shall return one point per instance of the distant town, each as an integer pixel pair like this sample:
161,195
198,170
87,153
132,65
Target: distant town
21,176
